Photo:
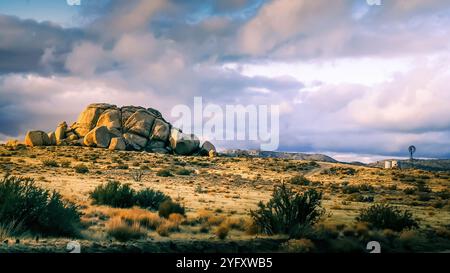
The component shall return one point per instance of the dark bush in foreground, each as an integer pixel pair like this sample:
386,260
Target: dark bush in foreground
168,207
33,209
114,194
387,217
288,212
149,198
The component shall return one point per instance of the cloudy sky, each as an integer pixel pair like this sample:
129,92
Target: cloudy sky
354,80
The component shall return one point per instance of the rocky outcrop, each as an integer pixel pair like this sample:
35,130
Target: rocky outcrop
52,138
37,138
87,120
208,149
98,137
118,144
60,132
126,128
183,144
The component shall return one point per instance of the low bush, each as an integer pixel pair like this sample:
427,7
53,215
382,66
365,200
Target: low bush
149,198
81,168
120,195
31,208
50,163
168,207
114,194
183,172
164,173
384,216
299,180
288,212
122,231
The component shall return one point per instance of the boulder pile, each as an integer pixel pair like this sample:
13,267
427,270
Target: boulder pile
126,128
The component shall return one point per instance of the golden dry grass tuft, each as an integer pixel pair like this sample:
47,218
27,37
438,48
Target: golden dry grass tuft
123,231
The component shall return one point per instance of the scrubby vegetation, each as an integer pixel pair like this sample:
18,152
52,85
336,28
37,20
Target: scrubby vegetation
299,180
27,207
168,207
217,193
149,198
50,163
288,212
120,195
384,216
123,231
114,194
81,168
164,173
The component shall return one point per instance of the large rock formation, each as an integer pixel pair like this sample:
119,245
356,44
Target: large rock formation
37,138
127,128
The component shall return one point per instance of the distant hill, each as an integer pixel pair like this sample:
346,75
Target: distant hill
423,164
287,155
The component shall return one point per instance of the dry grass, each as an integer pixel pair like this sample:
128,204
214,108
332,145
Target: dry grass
123,231
233,185
222,231
139,216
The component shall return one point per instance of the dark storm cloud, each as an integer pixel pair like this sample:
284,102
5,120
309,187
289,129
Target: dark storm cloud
24,44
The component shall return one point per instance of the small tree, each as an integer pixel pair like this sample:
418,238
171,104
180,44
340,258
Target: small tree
288,212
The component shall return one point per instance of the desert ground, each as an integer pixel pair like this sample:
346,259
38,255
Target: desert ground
218,194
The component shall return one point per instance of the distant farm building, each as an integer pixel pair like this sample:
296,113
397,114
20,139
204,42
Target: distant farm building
391,164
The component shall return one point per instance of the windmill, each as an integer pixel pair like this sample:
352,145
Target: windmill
412,150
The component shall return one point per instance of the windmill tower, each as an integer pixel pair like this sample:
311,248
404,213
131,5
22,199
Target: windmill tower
412,150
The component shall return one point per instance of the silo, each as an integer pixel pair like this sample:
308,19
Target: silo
387,164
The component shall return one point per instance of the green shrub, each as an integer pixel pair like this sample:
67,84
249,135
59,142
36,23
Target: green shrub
120,195
349,189
288,212
339,171
164,173
149,198
50,163
37,210
168,207
299,180
114,194
81,168
385,216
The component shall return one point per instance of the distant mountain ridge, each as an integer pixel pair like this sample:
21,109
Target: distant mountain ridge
287,155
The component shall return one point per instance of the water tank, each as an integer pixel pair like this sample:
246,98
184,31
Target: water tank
387,164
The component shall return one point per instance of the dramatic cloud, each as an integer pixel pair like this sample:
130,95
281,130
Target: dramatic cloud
349,77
